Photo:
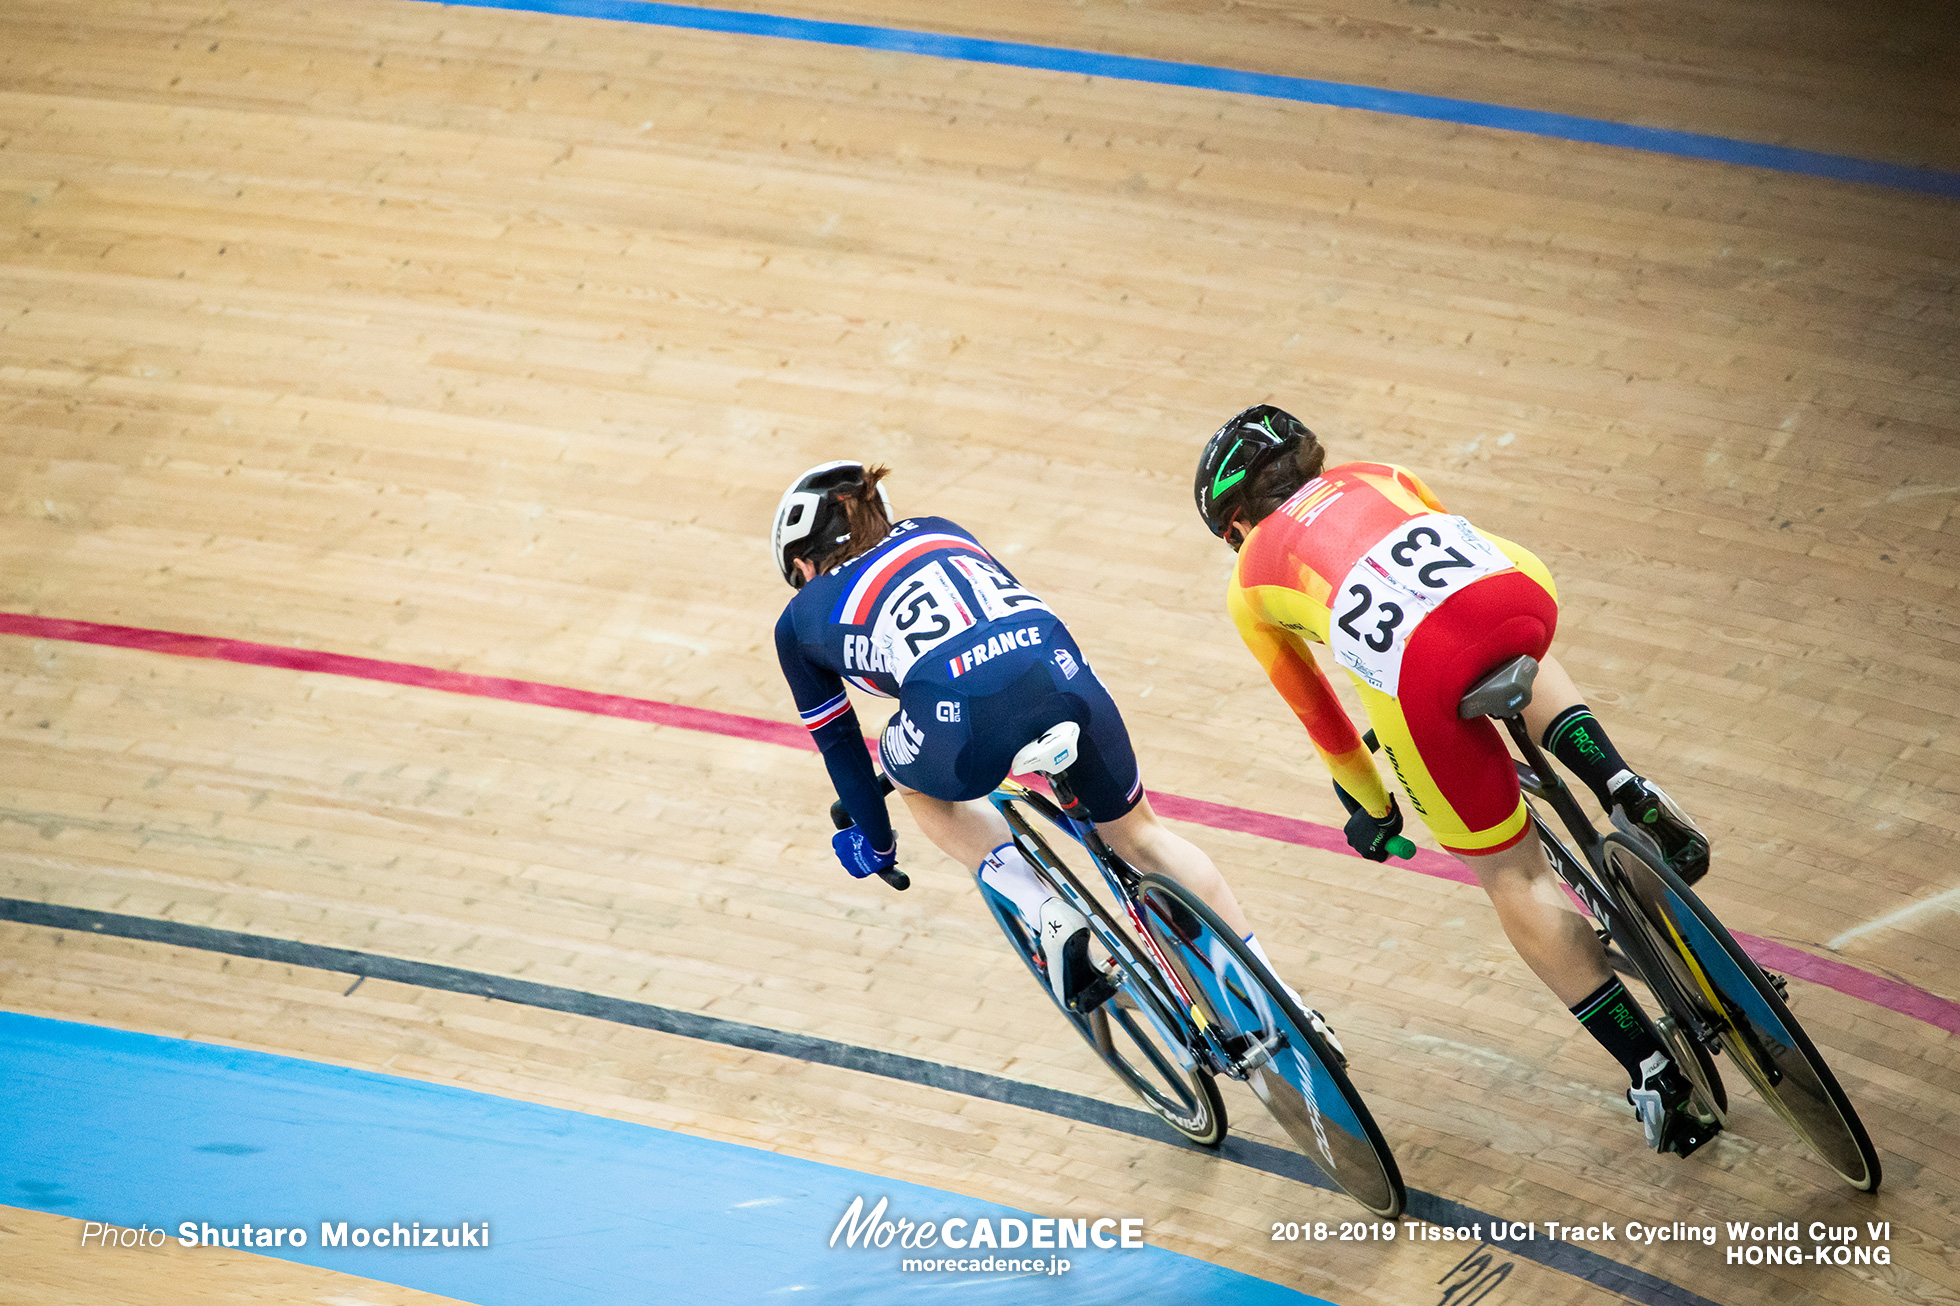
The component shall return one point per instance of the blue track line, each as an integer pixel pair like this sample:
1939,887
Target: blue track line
1163,72
132,1129
1634,1285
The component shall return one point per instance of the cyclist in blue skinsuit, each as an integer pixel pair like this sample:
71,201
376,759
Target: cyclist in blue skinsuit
920,612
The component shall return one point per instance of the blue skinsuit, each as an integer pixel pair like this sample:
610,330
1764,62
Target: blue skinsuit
978,664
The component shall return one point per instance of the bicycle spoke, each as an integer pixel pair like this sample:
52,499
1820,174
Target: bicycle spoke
1134,1032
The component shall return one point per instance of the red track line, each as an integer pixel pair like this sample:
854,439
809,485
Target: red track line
1880,990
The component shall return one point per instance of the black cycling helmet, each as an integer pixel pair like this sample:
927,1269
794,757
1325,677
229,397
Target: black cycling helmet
810,518
1240,448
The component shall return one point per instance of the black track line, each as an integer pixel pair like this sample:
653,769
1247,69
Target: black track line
1634,1285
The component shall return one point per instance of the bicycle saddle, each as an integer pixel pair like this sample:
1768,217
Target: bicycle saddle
1052,752
1502,692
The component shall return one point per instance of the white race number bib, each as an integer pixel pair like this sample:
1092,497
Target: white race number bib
998,596
922,612
1397,583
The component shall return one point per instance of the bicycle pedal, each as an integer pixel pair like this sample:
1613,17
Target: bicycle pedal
1687,1126
1326,1032
1685,1141
1092,995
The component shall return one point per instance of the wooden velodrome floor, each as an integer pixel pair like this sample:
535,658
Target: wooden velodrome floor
486,341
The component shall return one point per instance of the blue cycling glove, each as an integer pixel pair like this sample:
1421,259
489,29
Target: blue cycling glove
857,854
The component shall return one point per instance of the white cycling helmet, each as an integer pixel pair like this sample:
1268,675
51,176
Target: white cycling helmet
810,518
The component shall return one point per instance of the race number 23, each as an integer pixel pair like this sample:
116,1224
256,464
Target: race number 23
1391,614
1396,583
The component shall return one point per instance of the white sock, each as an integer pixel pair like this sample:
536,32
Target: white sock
1006,872
1260,953
1252,945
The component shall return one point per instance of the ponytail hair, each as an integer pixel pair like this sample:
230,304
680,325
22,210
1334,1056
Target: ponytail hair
1279,480
864,518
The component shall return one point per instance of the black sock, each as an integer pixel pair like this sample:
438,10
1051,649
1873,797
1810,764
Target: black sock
1610,1015
1576,738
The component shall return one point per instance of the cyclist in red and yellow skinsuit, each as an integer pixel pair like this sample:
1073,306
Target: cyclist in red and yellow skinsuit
1308,574
1418,606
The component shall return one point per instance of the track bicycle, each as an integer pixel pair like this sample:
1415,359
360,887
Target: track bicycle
1186,1000
1713,996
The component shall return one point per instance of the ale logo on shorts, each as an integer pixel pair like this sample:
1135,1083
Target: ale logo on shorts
1066,664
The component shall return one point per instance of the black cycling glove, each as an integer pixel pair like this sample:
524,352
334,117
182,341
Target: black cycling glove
1371,835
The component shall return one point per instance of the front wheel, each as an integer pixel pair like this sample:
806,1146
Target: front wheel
1286,1062
1136,1038
1728,994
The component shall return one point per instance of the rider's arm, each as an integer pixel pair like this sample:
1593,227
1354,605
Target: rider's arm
1291,667
832,722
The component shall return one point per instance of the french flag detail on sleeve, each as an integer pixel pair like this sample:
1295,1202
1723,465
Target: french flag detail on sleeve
866,686
818,717
861,600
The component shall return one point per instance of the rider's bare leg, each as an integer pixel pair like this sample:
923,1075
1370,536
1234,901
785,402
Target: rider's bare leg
1146,843
1585,749
1547,930
1559,944
1551,693
967,832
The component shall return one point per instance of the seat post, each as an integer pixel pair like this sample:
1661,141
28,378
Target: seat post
1555,791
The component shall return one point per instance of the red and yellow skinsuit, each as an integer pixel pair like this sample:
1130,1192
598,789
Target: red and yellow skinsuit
1419,606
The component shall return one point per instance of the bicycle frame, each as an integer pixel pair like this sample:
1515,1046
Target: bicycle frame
1593,881
1178,1008
1227,1015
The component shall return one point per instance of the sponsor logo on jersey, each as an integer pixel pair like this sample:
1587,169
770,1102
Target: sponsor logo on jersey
1007,641
1310,500
902,741
860,654
1066,664
948,711
1395,763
